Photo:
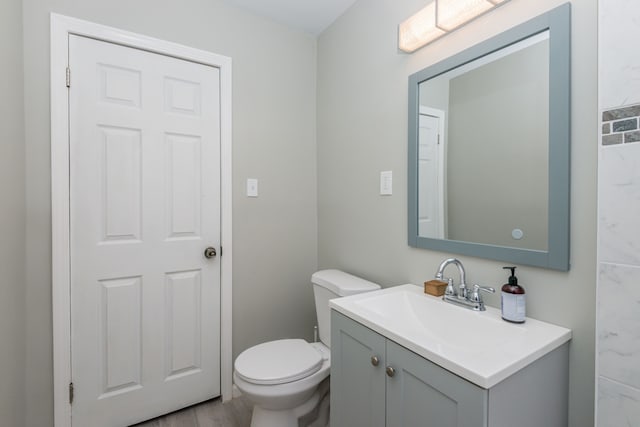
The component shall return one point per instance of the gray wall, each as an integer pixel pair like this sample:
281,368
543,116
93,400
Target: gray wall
362,130
497,151
12,213
274,101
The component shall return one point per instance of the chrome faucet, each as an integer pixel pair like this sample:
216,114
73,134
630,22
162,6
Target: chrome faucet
462,296
463,277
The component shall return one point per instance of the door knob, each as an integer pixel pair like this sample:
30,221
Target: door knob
390,371
210,252
374,360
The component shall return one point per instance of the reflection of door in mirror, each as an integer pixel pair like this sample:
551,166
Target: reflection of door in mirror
431,205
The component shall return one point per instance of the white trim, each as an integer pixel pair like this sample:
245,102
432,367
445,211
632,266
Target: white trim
61,27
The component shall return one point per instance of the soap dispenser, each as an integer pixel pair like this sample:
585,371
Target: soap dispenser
513,299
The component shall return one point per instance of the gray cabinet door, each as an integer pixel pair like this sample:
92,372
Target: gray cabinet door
357,386
420,393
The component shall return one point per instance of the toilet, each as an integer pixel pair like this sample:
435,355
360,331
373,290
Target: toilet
288,380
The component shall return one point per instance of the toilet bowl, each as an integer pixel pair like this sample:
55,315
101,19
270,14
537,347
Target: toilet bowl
288,380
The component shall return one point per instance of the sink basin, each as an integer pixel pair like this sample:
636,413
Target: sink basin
438,323
478,346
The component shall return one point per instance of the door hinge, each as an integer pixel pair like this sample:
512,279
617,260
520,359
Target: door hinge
438,134
220,250
70,393
68,77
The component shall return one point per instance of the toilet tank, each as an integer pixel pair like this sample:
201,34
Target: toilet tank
329,284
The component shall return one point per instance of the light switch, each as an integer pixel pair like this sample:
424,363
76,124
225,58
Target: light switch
386,183
252,187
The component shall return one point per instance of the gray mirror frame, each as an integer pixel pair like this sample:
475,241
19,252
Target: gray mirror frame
558,22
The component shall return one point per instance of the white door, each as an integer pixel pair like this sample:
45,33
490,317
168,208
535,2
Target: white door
145,203
431,174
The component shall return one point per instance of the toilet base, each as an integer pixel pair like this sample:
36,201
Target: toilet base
312,413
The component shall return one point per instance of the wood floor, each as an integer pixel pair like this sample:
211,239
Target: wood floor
213,413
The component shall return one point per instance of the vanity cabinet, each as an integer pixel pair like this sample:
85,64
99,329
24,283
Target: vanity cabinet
375,382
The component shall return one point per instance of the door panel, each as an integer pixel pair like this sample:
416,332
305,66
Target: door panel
183,322
183,186
121,183
120,329
423,394
357,386
145,302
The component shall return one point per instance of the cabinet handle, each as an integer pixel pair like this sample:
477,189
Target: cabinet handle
390,371
375,361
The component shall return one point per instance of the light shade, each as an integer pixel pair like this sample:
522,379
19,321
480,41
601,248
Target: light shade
450,14
439,18
419,30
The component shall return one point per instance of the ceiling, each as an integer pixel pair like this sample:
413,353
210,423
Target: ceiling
311,16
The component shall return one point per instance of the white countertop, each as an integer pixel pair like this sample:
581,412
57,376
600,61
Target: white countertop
477,346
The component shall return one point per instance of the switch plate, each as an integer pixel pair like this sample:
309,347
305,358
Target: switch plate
386,183
252,187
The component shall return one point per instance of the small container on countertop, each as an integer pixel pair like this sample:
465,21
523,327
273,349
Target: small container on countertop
435,287
513,300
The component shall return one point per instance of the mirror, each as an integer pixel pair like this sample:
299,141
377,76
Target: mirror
483,149
489,136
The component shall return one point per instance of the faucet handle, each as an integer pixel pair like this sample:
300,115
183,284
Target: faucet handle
487,289
475,295
450,290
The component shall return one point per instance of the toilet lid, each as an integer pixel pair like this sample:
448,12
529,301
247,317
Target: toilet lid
278,362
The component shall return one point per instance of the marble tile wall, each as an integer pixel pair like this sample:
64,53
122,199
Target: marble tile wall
618,300
618,294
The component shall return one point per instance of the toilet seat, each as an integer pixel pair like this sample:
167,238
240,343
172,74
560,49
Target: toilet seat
278,362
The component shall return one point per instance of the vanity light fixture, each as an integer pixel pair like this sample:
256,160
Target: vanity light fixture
437,19
419,29
451,14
